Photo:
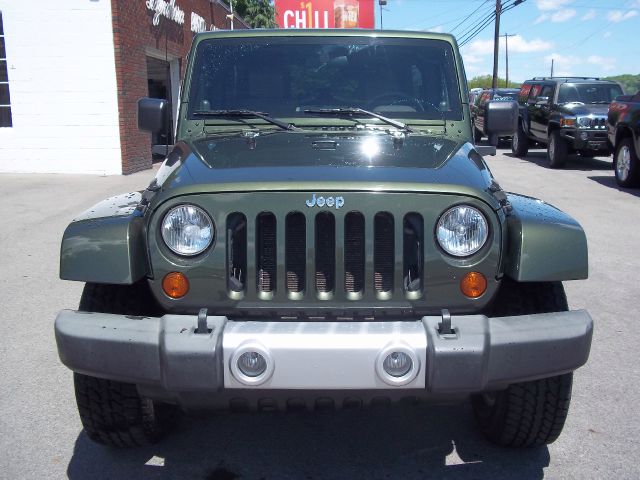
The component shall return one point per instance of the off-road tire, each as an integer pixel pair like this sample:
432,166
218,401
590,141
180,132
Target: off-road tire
113,413
557,150
526,414
520,142
626,152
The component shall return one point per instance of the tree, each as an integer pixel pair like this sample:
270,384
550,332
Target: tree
256,13
485,81
630,83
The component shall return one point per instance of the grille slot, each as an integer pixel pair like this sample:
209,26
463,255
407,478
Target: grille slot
383,252
413,252
325,252
354,253
236,252
295,252
266,252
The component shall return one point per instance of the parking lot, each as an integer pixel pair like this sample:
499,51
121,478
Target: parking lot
41,436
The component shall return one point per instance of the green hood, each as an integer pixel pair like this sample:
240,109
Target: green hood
344,161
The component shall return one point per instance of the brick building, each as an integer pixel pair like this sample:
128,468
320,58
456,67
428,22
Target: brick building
71,73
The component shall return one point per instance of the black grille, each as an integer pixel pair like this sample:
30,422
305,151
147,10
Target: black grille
383,252
325,252
236,252
354,252
309,249
266,252
295,254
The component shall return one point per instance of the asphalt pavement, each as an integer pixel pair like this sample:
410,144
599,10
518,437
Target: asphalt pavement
41,435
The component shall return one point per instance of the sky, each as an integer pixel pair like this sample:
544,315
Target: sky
584,37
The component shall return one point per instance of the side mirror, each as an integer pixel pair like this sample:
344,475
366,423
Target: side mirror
153,115
502,118
542,101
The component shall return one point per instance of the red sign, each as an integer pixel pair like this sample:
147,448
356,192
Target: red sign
325,13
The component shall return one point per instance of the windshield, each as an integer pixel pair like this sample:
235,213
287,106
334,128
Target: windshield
402,78
588,92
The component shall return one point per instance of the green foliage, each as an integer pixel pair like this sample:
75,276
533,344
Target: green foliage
485,81
257,13
630,83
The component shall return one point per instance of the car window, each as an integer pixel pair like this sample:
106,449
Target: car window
547,91
534,92
524,92
283,76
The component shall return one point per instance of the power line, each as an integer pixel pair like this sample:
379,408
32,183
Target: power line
470,15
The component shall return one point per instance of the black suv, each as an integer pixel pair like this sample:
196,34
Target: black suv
568,114
479,111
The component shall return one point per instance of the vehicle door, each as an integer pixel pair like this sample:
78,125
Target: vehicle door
541,111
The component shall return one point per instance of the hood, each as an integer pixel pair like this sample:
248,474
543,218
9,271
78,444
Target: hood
283,160
585,109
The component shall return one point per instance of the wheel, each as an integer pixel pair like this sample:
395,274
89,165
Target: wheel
494,140
113,413
477,135
557,150
533,413
520,142
627,164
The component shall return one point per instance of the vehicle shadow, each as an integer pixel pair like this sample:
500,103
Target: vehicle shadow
411,441
610,181
575,162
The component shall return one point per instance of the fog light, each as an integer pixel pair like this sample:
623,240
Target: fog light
252,364
397,364
584,136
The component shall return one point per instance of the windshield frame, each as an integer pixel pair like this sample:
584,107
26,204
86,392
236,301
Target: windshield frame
458,103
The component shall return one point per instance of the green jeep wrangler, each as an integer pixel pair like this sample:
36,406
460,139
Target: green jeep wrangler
323,234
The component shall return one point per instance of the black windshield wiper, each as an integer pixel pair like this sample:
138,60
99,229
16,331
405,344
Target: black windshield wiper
352,111
244,114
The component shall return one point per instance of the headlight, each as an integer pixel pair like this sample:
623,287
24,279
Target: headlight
584,122
462,231
187,230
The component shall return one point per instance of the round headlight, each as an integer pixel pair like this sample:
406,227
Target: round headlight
462,231
187,230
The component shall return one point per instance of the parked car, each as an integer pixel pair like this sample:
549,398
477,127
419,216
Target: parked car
479,111
473,94
624,134
323,234
566,114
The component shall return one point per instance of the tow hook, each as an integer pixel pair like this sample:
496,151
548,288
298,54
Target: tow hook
202,322
444,327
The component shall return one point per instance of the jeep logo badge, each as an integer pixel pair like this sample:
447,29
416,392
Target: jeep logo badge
337,202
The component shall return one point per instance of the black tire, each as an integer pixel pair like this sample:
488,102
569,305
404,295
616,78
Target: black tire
494,140
477,135
557,150
520,142
113,413
533,413
626,164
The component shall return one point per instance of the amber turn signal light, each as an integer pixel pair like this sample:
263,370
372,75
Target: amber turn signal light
175,284
473,284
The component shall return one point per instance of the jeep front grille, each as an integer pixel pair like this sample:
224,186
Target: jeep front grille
323,256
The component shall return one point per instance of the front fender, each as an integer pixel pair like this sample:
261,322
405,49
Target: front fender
106,244
544,243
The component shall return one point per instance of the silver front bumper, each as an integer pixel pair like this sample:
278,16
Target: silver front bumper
482,353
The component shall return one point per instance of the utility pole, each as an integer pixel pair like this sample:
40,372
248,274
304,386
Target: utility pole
506,48
496,45
552,67
381,3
